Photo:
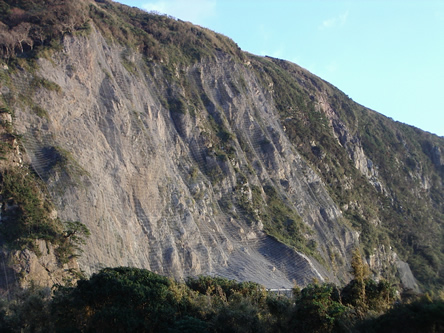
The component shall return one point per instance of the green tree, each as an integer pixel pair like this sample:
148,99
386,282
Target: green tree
317,309
118,299
279,312
239,314
73,237
28,311
423,315
354,292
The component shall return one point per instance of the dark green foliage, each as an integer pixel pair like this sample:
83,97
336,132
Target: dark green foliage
240,314
70,241
28,312
376,296
280,310
119,299
356,294
318,308
27,217
207,285
283,222
136,300
189,325
379,295
422,315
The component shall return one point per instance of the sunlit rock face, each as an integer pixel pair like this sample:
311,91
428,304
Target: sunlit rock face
186,156
157,186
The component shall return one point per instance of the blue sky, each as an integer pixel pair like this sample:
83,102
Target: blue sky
386,55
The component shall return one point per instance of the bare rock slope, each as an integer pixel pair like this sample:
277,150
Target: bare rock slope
153,185
190,161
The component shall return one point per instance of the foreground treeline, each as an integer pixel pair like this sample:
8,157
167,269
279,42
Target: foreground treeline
136,300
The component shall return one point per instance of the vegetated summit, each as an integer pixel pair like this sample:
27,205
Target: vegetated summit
182,154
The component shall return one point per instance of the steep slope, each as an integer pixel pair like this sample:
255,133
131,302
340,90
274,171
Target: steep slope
34,246
167,190
186,156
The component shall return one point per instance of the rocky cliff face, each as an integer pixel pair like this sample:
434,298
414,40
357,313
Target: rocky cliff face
38,267
26,266
203,167
157,188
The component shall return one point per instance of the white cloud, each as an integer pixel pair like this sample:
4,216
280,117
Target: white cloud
334,21
195,11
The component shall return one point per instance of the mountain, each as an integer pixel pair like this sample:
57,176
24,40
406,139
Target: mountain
180,153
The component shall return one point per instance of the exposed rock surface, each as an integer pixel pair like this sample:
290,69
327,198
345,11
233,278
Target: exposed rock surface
385,260
28,267
142,184
25,268
200,167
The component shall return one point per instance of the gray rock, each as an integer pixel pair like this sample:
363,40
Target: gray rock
155,189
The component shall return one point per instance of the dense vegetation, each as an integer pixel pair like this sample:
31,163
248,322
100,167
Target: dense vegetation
135,300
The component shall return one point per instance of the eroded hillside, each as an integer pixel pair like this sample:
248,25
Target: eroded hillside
186,156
